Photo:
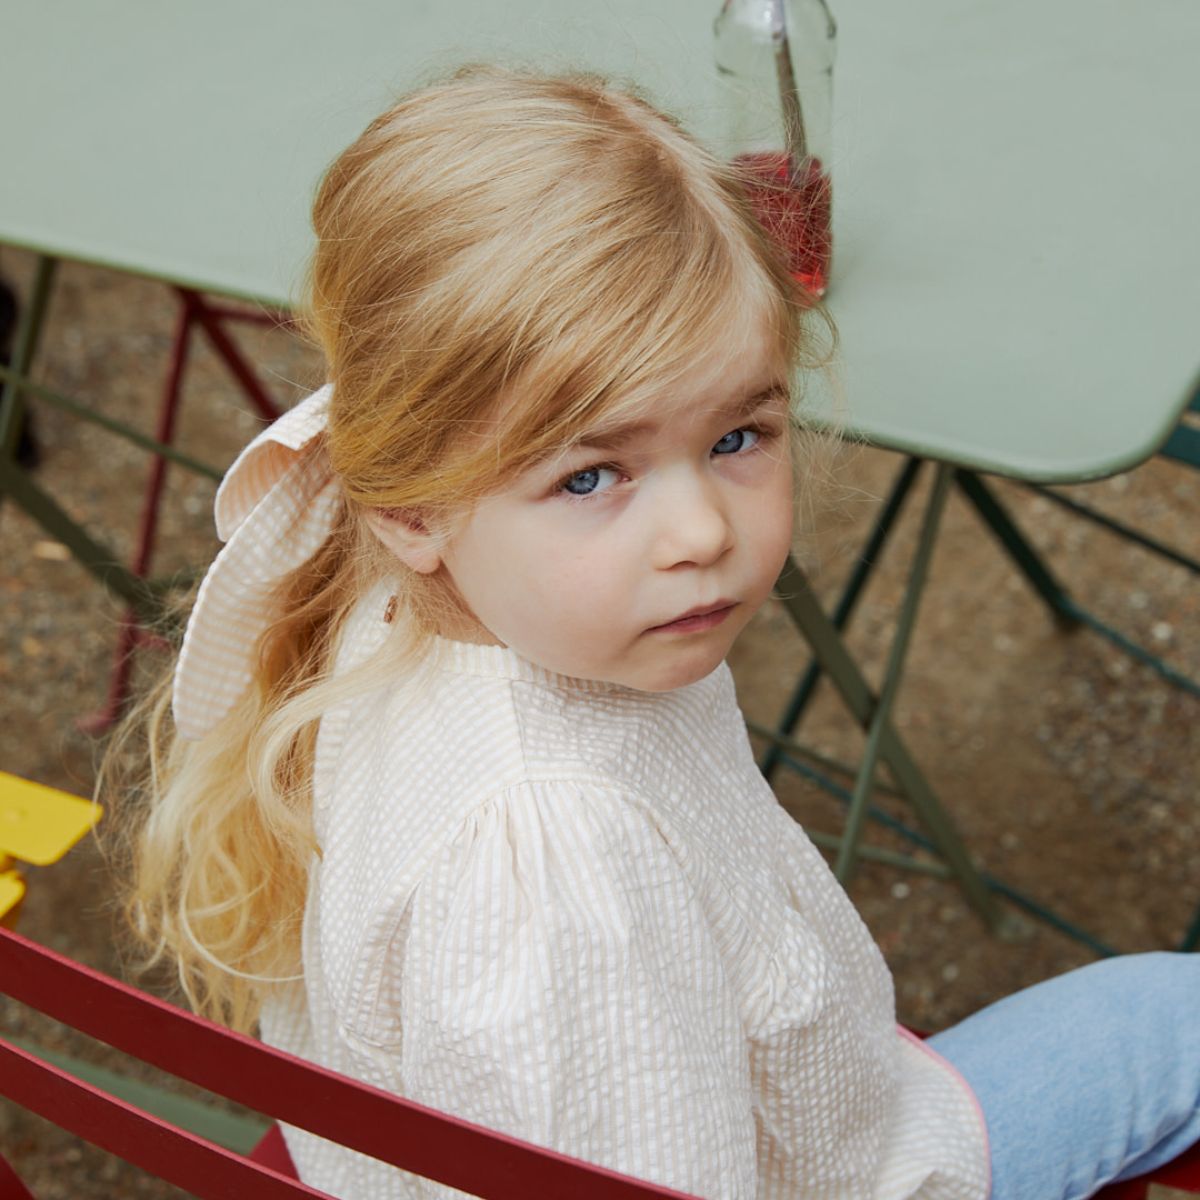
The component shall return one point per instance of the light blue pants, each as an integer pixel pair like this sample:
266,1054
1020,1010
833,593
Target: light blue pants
1087,1078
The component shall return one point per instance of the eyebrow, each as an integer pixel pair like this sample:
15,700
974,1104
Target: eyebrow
614,436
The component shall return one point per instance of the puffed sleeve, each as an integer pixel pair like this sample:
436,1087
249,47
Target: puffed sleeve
560,981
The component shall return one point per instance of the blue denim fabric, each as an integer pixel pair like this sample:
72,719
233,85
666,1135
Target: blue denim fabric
1087,1078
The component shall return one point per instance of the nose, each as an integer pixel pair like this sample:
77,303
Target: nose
693,522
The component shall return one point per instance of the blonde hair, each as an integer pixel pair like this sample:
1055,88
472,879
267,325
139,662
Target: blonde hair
499,253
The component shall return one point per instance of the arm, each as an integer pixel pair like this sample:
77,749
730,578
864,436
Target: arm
559,983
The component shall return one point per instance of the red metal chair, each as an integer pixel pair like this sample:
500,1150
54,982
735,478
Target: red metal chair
408,1135
1183,1174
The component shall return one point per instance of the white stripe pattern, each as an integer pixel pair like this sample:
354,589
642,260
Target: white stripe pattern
574,912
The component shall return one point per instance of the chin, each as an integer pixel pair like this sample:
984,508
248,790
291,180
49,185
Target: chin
690,669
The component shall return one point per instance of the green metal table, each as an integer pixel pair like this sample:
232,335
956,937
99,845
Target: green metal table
1016,275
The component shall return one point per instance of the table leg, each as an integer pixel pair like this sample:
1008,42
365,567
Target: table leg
1067,612
95,557
1022,553
130,583
17,484
29,330
835,660
845,606
882,714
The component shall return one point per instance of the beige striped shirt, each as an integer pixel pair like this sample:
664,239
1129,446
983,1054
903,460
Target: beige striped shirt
574,912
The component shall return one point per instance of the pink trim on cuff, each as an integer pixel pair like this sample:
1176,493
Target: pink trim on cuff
947,1065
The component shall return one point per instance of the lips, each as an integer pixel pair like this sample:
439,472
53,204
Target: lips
703,617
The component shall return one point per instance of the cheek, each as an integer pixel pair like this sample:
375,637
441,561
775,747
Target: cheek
522,577
787,513
484,565
569,584
775,516
472,563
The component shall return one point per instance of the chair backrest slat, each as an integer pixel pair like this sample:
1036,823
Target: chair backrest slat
181,1158
398,1131
11,1187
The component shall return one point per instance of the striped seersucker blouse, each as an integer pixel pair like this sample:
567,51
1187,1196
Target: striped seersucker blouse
575,912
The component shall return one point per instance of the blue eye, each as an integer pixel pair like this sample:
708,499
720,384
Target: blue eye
736,441
589,482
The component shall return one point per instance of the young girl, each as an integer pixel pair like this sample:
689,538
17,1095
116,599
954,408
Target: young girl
456,797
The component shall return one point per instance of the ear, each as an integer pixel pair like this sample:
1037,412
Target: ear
403,532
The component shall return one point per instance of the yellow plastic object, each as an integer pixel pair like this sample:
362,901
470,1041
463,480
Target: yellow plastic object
39,824
12,892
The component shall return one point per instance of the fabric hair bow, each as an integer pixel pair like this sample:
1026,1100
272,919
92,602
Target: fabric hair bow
275,507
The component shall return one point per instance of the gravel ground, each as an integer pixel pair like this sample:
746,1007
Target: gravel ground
1068,767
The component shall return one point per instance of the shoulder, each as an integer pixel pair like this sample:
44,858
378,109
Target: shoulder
564,867
555,836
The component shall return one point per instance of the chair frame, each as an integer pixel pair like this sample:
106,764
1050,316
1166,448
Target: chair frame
288,1089
408,1135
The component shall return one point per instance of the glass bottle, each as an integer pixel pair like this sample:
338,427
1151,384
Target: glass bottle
775,63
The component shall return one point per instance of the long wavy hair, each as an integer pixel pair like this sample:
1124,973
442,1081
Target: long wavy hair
499,252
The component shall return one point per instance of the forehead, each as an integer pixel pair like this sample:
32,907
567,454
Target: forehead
731,376
582,388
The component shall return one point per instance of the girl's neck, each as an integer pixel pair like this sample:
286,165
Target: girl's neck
454,620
